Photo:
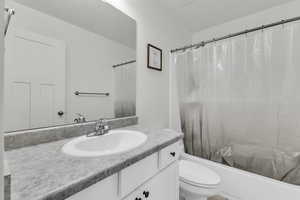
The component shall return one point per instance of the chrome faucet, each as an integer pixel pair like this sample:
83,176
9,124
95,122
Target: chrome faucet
80,118
101,127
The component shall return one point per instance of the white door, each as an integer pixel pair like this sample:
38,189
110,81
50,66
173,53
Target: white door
34,81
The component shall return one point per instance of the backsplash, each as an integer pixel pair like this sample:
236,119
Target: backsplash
19,139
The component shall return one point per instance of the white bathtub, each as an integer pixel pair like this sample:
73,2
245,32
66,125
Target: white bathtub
242,185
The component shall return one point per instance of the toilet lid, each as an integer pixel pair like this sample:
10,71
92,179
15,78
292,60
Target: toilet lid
197,174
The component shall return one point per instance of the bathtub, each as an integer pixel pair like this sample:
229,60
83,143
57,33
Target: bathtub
242,185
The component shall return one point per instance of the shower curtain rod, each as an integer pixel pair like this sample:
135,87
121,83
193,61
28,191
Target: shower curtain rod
203,43
10,12
124,63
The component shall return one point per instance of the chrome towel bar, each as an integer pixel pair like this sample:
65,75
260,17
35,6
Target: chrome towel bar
91,93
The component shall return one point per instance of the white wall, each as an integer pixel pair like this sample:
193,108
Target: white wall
89,60
158,27
264,17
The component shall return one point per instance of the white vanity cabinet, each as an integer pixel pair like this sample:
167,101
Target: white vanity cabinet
152,178
163,186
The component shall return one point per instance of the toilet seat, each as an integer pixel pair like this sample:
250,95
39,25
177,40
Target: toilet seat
198,175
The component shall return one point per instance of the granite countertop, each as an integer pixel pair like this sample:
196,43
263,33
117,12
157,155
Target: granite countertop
43,172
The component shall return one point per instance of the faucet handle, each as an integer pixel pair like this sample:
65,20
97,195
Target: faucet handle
102,121
106,127
81,115
80,119
101,127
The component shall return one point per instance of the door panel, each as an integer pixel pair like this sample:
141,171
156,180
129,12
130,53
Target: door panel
46,102
166,185
18,110
39,62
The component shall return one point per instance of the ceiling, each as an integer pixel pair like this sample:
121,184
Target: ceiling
101,18
92,15
201,14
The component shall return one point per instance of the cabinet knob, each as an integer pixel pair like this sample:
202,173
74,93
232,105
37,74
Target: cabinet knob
138,198
173,154
60,113
146,194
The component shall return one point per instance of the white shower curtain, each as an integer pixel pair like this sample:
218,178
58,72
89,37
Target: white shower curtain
239,101
125,90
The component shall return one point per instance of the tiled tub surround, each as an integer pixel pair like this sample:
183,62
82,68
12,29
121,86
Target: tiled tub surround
43,172
19,139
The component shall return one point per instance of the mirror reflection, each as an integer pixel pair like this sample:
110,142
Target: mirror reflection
68,61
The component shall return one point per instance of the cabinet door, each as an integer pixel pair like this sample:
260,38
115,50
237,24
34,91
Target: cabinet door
106,189
165,186
136,175
136,195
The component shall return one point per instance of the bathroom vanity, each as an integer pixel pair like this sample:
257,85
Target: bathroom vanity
150,171
154,177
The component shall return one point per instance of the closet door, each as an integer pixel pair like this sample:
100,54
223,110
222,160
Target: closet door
34,80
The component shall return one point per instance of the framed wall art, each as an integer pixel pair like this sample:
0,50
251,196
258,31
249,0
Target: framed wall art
154,57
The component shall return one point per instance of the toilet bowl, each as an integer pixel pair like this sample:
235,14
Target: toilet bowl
197,182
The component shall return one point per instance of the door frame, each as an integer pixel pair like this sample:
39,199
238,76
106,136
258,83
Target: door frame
1,100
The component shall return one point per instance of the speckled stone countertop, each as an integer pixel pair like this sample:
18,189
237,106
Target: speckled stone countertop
43,172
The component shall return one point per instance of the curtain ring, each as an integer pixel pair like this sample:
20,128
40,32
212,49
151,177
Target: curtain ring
246,32
198,46
283,23
214,40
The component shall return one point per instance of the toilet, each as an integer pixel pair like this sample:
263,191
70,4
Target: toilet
197,182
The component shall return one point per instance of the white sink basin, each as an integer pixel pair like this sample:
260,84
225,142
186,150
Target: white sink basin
114,142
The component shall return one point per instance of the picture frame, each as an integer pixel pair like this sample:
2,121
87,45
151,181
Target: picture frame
154,57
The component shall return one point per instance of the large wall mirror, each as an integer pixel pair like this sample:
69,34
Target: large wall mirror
68,61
